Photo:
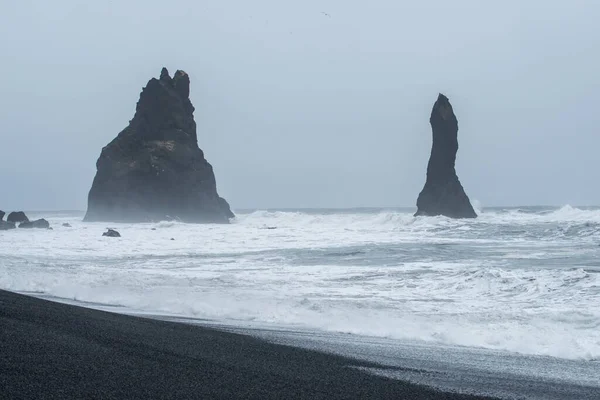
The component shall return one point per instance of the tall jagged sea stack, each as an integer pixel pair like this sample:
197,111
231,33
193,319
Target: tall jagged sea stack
443,194
154,170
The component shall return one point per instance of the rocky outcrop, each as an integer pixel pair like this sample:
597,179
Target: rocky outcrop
2,213
443,194
4,226
17,217
111,233
38,224
154,170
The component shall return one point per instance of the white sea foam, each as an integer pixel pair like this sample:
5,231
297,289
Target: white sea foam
524,281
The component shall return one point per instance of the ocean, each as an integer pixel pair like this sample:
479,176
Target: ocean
522,281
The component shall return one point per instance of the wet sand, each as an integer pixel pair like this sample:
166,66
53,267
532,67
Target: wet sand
58,351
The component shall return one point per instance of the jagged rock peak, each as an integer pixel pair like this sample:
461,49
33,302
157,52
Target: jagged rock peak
165,77
443,194
164,105
443,110
181,83
154,169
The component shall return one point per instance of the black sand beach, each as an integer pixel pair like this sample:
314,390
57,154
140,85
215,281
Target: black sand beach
50,350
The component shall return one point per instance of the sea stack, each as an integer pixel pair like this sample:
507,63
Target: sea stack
154,170
443,194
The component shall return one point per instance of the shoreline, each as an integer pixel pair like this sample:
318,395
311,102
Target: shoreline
56,350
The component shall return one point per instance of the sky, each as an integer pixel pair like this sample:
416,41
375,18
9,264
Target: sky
312,103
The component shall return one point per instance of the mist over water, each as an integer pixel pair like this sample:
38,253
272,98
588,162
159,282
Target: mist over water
524,280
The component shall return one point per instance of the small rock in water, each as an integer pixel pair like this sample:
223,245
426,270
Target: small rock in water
66,225
111,233
4,226
172,239
17,217
153,229
40,224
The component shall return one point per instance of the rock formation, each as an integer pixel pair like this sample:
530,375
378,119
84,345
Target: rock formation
443,194
4,226
154,170
111,233
17,217
39,224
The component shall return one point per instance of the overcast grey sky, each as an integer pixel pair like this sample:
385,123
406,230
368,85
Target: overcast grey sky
296,108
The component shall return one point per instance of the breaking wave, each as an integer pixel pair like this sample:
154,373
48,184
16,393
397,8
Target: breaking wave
523,280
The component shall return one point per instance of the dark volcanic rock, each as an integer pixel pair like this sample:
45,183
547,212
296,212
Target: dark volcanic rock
17,216
443,194
154,170
39,224
111,233
2,213
4,226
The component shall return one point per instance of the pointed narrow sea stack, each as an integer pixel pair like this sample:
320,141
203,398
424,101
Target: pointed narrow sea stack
154,170
443,194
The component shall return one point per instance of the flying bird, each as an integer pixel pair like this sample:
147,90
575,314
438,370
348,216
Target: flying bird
325,14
